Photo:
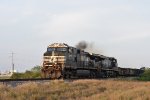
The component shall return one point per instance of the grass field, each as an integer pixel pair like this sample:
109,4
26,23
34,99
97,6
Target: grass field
78,90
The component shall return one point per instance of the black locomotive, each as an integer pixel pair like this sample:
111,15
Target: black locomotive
63,61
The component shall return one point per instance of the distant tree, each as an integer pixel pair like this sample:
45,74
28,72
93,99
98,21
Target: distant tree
36,68
146,75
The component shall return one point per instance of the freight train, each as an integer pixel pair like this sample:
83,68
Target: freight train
64,61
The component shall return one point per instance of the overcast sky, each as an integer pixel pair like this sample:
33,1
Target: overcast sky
117,28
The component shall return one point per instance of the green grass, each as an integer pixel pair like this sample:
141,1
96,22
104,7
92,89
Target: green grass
27,74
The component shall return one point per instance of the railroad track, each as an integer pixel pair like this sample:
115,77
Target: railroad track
28,79
15,82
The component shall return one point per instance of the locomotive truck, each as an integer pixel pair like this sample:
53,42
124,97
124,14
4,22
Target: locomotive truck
64,61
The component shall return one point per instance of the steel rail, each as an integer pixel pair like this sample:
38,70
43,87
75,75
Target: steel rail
27,79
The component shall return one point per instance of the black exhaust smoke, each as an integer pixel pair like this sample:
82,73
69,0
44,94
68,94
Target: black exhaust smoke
82,45
88,46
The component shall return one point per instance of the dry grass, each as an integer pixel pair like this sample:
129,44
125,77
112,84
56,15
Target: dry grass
78,90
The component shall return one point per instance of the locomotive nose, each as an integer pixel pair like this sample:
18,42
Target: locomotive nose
53,59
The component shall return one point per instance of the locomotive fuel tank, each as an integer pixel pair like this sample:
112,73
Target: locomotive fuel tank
83,73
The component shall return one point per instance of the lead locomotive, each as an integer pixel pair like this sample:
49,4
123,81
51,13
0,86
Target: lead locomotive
63,61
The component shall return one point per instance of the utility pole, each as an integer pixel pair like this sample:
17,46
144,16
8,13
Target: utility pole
12,59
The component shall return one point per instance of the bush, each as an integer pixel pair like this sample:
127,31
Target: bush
145,76
34,73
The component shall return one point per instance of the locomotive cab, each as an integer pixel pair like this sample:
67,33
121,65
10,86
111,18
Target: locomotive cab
54,60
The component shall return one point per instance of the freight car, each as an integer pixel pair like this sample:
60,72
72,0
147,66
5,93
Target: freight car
63,61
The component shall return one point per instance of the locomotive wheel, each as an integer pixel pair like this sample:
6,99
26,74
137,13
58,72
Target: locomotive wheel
102,75
54,73
66,76
92,74
57,74
49,73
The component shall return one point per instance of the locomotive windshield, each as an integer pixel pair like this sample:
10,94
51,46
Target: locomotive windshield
50,49
59,51
56,49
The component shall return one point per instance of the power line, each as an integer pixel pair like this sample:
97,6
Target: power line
12,59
